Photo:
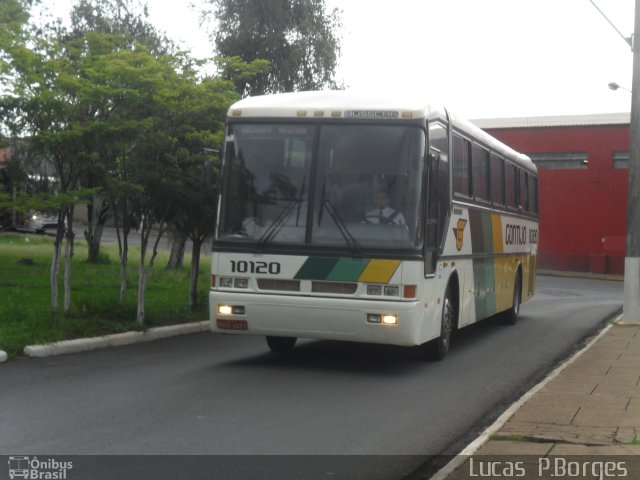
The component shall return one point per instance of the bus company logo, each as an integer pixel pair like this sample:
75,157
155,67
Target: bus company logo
35,469
458,232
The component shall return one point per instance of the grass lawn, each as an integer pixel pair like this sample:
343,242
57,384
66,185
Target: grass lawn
25,296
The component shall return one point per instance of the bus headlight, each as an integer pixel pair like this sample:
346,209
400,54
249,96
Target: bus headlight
384,318
225,309
226,282
389,319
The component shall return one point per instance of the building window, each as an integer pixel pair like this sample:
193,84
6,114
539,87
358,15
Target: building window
621,160
560,161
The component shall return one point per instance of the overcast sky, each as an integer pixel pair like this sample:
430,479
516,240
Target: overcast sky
483,59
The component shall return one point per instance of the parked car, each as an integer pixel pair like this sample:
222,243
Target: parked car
40,221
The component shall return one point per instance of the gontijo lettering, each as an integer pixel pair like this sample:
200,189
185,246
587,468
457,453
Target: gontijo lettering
515,234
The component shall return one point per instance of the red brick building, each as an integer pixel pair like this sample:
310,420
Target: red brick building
583,169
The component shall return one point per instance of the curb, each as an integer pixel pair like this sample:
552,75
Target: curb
582,275
3,356
116,340
475,445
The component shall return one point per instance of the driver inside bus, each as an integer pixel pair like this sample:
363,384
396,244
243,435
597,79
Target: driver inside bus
384,213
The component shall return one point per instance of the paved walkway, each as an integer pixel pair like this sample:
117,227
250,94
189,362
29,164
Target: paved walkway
591,408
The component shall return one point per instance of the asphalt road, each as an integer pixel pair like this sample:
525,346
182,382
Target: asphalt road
374,412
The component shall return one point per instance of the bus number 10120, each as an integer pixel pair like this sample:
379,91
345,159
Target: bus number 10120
243,266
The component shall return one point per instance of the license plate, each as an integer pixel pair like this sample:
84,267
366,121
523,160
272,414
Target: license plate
231,324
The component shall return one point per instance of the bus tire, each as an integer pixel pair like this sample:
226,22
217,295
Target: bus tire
438,348
511,316
281,344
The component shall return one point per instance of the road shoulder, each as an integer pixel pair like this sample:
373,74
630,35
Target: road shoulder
115,340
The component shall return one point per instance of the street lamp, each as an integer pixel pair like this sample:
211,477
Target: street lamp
631,306
615,86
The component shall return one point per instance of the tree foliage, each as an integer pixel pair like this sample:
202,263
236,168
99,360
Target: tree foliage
128,19
297,37
121,114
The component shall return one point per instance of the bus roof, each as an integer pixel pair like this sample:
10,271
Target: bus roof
350,105
333,103
476,133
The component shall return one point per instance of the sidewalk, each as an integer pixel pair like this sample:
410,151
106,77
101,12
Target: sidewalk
592,407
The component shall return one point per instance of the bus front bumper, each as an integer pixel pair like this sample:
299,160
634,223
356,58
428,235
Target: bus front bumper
316,317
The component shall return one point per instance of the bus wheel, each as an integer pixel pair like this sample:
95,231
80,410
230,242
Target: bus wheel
511,316
438,348
281,344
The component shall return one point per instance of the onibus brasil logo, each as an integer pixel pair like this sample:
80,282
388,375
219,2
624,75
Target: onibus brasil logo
32,468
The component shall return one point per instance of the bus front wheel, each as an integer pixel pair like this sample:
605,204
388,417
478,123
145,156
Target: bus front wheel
281,344
438,348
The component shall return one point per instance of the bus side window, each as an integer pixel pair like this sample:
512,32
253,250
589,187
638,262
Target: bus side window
461,168
511,186
438,202
523,197
533,194
438,138
480,177
497,181
437,193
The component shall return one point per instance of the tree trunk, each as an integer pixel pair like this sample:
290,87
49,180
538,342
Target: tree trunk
122,233
145,233
124,258
142,286
68,255
195,272
178,245
55,261
97,217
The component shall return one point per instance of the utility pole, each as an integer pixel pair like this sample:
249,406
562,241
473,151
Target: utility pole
631,308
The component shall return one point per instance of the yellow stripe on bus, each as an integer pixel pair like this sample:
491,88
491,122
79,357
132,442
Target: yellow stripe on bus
379,271
496,229
505,274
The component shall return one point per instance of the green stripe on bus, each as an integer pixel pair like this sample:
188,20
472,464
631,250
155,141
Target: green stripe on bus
477,231
316,268
484,280
347,269
481,232
487,226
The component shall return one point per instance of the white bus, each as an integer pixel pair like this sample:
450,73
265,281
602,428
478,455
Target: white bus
368,220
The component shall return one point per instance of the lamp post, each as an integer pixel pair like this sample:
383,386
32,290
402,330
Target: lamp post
631,307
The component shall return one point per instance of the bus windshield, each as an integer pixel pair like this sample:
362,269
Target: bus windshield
354,185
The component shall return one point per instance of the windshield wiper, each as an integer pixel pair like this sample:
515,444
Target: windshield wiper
278,223
353,244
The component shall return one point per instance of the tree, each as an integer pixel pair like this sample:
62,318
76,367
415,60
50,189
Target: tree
66,92
200,138
42,104
297,37
126,20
